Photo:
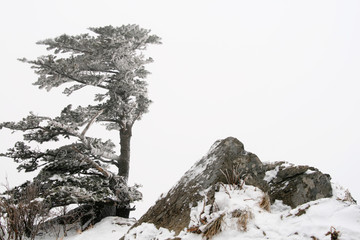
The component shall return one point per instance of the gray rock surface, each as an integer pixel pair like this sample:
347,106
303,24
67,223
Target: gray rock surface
228,162
296,185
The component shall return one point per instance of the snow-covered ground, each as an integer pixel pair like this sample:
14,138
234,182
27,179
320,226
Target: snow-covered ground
110,228
244,214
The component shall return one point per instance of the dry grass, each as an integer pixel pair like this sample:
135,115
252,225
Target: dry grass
243,218
233,180
265,202
243,221
210,229
348,197
194,229
214,227
236,213
226,190
333,234
233,177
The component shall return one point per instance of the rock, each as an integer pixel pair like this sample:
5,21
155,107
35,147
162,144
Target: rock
296,185
227,162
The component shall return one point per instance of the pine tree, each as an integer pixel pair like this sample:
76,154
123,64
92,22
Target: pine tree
110,59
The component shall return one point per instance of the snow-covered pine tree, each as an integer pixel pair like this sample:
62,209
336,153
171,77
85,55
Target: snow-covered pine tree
110,59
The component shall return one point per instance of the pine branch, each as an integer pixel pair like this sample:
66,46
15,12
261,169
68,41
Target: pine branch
68,76
106,173
107,161
93,150
65,48
33,131
27,158
108,120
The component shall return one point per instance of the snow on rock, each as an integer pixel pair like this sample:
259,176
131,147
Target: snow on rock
310,171
231,194
228,162
241,215
295,185
172,210
197,169
271,174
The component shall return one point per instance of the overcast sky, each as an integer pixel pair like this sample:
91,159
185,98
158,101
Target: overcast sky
281,76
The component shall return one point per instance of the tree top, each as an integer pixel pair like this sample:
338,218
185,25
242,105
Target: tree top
111,59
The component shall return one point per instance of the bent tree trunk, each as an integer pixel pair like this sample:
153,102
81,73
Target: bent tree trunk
124,166
123,209
124,161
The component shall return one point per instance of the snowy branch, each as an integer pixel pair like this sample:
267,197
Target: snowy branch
86,141
103,171
107,161
67,75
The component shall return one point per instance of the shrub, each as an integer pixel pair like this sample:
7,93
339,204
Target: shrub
334,234
23,215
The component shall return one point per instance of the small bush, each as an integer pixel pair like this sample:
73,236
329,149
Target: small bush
243,217
22,216
214,227
348,197
265,202
234,177
334,235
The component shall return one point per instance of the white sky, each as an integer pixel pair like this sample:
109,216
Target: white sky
281,76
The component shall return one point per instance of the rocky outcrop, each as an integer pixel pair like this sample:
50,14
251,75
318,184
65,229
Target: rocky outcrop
296,185
227,162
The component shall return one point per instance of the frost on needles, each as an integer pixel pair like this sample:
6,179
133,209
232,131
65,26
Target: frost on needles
110,59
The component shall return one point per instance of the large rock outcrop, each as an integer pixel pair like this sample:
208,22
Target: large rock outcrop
228,162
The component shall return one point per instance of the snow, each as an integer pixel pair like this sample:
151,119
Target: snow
39,199
287,164
110,228
198,168
270,175
201,165
56,211
308,221
56,177
313,219
148,231
310,172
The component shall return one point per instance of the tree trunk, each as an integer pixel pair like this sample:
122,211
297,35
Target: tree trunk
124,161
